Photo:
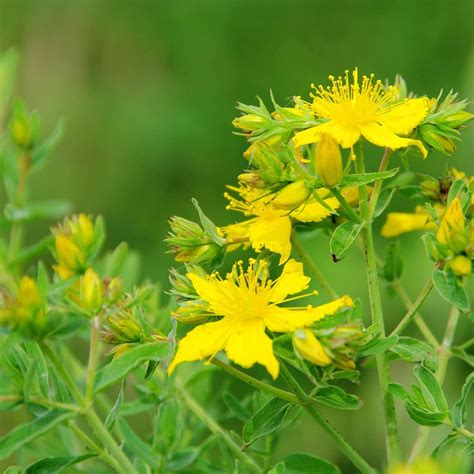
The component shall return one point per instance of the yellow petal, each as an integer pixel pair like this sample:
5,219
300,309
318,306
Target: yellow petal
248,345
309,347
452,223
292,280
287,319
404,117
383,136
398,223
273,232
345,135
210,291
313,211
203,341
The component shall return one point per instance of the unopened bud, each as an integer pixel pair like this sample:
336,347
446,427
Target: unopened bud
309,348
82,229
328,160
457,119
451,230
434,137
291,196
114,290
250,122
461,265
68,253
91,293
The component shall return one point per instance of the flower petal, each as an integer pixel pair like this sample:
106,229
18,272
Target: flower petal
346,136
273,232
292,280
210,291
381,135
288,319
405,116
203,341
398,223
248,345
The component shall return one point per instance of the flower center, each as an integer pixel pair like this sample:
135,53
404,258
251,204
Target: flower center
352,104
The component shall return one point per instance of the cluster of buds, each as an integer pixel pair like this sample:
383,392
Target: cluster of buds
25,310
437,190
77,241
190,243
440,129
337,345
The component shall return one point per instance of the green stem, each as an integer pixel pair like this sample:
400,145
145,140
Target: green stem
93,359
90,443
346,206
309,263
393,447
276,392
412,312
341,443
214,427
374,197
126,467
40,401
444,355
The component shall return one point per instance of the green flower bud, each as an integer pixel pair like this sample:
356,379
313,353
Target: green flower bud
91,292
250,122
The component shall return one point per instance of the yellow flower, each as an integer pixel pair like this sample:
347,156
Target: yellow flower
68,253
369,110
247,304
271,225
398,223
309,348
461,265
328,160
451,229
91,291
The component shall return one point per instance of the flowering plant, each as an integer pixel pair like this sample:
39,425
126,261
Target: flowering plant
235,312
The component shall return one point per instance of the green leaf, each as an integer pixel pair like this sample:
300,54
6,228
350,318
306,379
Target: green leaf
459,410
424,417
305,463
114,412
366,178
168,427
266,420
120,367
208,225
8,69
351,375
431,389
451,289
42,152
46,210
181,459
378,345
336,397
400,392
136,445
413,350
27,432
115,260
383,201
342,238
279,468
235,407
51,465
393,266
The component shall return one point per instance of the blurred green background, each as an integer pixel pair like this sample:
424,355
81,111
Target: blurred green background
148,90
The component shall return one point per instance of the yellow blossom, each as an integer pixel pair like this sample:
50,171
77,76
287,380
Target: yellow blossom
91,291
246,303
68,253
398,223
366,109
461,265
270,227
451,229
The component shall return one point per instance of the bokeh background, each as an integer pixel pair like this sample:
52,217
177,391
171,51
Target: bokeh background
148,90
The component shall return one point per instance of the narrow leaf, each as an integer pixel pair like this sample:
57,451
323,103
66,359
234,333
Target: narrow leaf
342,238
336,397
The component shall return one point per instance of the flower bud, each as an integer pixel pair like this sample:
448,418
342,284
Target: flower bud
328,160
91,292
252,179
250,122
435,138
114,290
69,254
431,188
457,119
82,229
291,196
461,265
20,133
309,348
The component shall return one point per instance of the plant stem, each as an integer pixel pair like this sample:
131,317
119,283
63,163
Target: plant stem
40,401
309,263
378,184
277,392
214,427
419,321
393,447
341,443
93,359
444,353
346,206
126,467
89,442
